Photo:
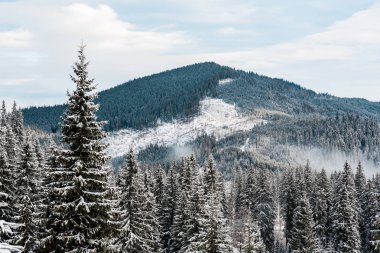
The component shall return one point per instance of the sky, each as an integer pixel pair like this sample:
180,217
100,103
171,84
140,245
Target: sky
328,46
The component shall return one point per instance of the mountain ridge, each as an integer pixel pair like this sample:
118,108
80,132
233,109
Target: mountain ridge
176,94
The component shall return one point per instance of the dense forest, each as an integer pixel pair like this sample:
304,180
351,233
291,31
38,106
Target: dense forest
64,197
175,94
143,101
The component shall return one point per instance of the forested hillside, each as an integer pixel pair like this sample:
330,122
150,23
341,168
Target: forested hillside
141,102
175,94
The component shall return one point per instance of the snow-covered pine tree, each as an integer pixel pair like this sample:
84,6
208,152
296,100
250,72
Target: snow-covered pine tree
7,192
16,122
194,228
3,115
346,226
181,216
264,212
376,234
210,177
370,209
302,233
216,240
322,207
250,189
253,242
27,190
150,215
137,226
239,194
360,186
168,207
288,201
78,220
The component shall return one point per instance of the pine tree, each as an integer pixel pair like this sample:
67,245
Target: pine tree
7,192
150,216
27,190
369,211
360,186
264,212
321,208
181,216
253,242
239,196
78,221
303,236
16,122
250,190
346,227
3,115
168,207
216,240
194,228
138,225
288,201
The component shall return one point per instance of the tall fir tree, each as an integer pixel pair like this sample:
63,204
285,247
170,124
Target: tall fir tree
169,207
322,207
253,242
264,212
79,217
27,190
303,237
360,187
345,214
137,232
370,209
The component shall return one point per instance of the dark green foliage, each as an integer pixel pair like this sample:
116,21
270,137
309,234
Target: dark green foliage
252,91
346,132
141,102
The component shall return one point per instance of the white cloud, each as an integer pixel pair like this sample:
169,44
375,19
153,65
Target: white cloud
15,38
13,82
217,11
232,31
47,34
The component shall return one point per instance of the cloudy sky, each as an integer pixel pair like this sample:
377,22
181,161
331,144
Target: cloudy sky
328,46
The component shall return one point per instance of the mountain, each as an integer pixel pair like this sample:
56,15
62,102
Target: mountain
176,94
141,102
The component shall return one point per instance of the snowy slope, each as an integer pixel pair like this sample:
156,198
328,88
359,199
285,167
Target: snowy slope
215,117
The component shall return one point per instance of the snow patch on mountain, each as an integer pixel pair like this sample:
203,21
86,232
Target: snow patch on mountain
225,81
216,117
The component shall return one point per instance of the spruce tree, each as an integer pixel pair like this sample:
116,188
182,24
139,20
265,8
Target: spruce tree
181,216
264,212
7,193
80,201
253,242
138,231
168,207
303,236
346,226
216,240
27,190
360,186
322,206
369,211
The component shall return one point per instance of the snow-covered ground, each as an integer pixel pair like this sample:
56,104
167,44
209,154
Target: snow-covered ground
215,117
